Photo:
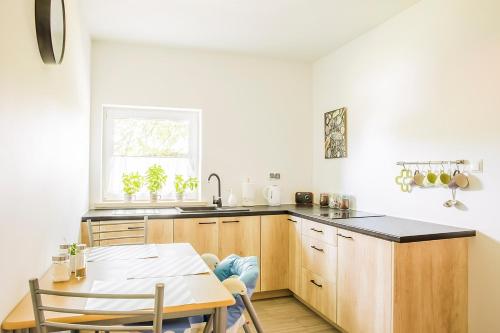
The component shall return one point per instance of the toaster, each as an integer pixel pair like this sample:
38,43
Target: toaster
304,198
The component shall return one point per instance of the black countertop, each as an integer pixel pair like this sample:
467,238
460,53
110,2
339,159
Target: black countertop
376,225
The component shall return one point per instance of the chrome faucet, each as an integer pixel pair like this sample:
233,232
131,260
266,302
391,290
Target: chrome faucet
216,201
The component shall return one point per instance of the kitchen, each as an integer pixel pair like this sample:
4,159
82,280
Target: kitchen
418,81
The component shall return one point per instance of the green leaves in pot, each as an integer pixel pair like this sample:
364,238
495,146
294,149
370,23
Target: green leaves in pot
155,178
132,182
181,185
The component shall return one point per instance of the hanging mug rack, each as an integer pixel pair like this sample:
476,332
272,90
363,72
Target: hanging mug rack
408,178
456,162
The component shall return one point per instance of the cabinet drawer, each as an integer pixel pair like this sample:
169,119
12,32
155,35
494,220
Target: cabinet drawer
319,293
319,231
319,257
133,231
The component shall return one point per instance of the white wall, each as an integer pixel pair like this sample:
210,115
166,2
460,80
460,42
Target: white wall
256,112
423,86
44,131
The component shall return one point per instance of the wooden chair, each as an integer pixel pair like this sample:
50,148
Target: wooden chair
113,233
44,326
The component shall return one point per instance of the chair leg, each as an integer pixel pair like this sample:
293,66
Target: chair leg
252,313
208,327
246,328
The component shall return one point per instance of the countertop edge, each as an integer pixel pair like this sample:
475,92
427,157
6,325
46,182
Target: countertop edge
373,233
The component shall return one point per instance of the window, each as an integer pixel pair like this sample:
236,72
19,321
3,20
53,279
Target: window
135,138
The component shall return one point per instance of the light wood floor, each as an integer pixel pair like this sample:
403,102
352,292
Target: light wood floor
287,315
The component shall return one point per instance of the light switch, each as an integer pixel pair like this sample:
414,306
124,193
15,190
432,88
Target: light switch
476,166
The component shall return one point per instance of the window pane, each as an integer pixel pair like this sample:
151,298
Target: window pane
150,138
137,138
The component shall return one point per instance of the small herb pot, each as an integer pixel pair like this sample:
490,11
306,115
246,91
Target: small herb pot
154,197
179,196
127,197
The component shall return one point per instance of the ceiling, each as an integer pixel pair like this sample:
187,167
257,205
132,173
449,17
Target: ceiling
290,29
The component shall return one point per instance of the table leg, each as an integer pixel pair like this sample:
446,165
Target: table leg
220,320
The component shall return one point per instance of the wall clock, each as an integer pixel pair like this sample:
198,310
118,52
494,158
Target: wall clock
50,21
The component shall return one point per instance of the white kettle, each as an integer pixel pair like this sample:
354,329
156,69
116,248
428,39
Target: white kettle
272,193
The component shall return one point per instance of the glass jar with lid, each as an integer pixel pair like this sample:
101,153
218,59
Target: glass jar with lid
81,261
61,271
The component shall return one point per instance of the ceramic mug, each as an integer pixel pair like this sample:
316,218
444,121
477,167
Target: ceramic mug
419,178
444,178
459,180
430,178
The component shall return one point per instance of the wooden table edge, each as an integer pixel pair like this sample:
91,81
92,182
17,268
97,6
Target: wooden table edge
7,326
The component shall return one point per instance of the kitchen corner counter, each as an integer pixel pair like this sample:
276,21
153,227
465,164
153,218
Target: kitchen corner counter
384,227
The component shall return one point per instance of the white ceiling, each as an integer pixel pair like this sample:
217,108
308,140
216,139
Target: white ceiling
290,29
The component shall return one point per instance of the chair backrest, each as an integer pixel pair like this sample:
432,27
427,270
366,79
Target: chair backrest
112,233
43,325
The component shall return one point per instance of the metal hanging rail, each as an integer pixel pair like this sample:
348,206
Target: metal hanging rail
431,162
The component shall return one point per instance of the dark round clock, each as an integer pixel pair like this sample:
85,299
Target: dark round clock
50,22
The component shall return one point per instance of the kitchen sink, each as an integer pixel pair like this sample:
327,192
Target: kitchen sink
208,209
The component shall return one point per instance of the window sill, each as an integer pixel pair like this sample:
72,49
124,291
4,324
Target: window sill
146,204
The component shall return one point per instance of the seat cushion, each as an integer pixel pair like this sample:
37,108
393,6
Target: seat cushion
247,270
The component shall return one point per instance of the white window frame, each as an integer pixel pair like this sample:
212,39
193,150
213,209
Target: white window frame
110,111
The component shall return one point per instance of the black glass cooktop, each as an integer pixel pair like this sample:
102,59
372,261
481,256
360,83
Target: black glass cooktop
335,214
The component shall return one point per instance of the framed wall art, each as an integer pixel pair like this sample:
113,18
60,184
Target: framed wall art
336,134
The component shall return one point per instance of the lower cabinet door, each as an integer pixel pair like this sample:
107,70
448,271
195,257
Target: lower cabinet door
240,235
319,293
201,233
364,283
294,254
160,231
274,252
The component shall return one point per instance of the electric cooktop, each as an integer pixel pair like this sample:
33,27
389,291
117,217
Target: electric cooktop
335,214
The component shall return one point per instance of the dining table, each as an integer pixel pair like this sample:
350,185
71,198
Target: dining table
195,290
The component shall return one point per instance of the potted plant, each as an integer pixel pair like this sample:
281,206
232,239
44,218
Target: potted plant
155,178
132,183
181,185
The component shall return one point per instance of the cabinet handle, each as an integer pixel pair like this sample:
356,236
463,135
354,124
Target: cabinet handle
135,228
232,221
347,237
207,222
316,230
292,220
316,284
317,249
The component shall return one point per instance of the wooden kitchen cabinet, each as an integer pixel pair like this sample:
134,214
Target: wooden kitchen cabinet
319,258
319,293
364,284
201,233
401,287
294,254
239,235
159,231
274,252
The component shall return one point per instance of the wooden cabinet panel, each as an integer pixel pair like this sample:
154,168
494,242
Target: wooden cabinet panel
319,231
160,231
364,284
430,286
274,252
201,233
241,236
294,253
319,258
319,293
